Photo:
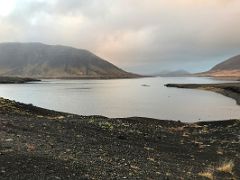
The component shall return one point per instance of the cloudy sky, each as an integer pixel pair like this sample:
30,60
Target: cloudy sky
143,36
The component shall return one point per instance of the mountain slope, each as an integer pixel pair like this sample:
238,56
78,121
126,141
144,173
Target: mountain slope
47,61
230,64
228,68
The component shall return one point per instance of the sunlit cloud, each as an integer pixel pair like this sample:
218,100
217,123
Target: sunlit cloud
7,7
142,36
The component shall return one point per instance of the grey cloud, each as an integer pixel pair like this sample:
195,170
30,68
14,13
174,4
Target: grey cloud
143,36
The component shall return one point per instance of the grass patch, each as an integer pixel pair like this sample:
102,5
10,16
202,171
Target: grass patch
106,125
206,174
226,167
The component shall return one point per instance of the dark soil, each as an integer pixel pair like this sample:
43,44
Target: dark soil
16,80
43,144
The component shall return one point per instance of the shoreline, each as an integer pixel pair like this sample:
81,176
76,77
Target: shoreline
40,143
16,80
22,80
231,90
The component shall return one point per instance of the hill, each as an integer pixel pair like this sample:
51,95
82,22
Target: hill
228,68
230,64
54,61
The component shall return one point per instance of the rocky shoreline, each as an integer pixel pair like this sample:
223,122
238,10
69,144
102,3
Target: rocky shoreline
15,80
231,90
42,144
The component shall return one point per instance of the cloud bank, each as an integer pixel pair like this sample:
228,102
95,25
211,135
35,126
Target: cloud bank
144,36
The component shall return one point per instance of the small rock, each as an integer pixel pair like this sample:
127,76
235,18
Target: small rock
9,140
122,137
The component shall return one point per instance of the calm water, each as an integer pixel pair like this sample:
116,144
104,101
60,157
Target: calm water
125,98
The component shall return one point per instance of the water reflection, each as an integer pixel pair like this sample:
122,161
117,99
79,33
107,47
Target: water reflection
126,97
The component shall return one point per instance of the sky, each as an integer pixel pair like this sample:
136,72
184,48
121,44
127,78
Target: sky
142,36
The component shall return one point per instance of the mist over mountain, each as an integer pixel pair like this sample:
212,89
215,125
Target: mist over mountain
176,73
228,68
54,61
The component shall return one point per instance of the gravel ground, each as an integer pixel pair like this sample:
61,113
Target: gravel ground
41,144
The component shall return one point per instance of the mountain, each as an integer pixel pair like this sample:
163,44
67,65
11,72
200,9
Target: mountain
228,68
177,73
39,60
230,64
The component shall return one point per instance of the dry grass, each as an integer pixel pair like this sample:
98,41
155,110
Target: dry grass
176,129
31,147
225,73
226,167
207,174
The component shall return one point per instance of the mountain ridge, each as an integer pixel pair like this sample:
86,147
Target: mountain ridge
232,63
227,68
40,60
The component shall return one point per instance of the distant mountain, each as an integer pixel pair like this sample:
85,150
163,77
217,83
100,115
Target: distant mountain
178,73
228,68
39,60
